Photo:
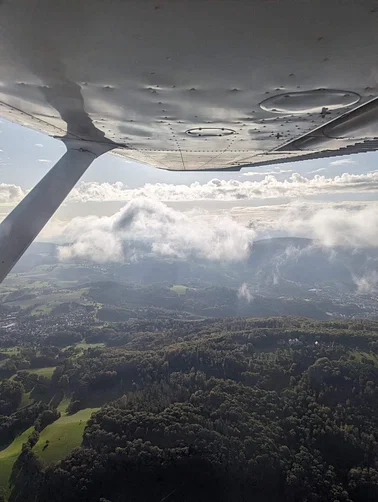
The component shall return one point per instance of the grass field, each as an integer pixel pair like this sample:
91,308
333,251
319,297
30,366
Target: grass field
85,345
11,351
42,310
7,458
63,436
46,372
62,407
25,400
44,303
35,283
179,289
358,355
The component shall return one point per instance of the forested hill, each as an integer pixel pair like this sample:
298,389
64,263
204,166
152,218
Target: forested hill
277,409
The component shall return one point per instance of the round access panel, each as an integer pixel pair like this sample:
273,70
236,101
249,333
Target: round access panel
310,101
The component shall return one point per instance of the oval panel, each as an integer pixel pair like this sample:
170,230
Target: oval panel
310,101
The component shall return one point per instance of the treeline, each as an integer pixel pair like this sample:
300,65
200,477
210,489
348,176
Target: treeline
277,409
39,412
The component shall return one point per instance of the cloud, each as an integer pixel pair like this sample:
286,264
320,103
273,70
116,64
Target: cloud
44,160
258,173
367,284
226,190
348,227
342,162
39,145
266,173
100,192
321,169
10,193
146,226
348,224
244,293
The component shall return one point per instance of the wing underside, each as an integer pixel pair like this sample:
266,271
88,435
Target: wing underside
194,85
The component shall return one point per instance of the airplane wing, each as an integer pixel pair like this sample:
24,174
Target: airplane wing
193,85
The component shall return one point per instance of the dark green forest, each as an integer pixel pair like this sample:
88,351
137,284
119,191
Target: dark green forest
275,409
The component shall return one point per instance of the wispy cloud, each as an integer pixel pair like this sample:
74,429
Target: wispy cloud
321,169
44,160
258,173
244,293
266,173
367,284
342,162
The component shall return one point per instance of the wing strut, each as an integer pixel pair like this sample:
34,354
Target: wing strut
23,224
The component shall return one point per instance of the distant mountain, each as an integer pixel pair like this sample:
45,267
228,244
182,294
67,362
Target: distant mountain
282,276
288,264
275,266
279,266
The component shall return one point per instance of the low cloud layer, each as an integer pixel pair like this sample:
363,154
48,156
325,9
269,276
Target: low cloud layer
348,224
148,226
355,227
226,190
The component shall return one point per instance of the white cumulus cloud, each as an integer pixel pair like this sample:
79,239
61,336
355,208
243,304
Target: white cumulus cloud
10,193
145,226
100,192
224,190
149,226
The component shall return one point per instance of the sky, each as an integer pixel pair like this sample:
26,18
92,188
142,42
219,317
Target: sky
211,214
